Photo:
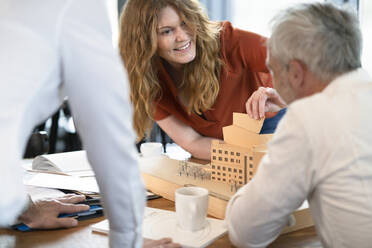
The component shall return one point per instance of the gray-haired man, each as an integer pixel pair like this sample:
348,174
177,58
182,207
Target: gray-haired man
321,149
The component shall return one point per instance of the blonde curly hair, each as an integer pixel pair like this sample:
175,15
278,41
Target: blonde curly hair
138,49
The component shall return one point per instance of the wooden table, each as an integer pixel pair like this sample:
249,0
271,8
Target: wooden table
82,236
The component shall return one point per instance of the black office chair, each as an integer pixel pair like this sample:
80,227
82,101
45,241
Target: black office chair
53,138
45,139
156,135
37,144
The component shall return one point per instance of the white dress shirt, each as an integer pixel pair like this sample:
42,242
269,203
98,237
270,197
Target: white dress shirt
322,152
47,46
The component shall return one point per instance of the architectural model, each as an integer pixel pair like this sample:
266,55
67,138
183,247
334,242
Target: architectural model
234,161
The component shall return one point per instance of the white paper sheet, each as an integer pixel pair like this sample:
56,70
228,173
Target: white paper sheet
71,163
54,181
162,223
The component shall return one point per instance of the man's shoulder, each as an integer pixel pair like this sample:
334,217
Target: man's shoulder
310,104
312,113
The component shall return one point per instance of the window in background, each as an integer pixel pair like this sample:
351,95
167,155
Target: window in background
365,15
255,16
121,5
218,10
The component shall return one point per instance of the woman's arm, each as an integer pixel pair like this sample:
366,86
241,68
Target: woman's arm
186,137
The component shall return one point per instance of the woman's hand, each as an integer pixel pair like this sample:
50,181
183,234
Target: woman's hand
264,100
161,243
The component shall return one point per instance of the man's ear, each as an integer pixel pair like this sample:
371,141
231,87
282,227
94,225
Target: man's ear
296,74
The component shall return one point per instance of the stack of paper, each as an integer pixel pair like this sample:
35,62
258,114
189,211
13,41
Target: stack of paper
68,171
55,181
69,163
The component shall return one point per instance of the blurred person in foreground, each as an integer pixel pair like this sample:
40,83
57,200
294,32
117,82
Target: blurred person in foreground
56,48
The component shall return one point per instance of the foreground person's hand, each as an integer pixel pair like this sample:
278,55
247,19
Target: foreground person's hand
161,243
43,214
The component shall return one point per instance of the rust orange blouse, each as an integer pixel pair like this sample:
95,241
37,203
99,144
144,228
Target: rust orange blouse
244,55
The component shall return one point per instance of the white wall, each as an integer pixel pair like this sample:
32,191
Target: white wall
255,15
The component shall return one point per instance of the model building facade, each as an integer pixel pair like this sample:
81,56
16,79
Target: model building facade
235,160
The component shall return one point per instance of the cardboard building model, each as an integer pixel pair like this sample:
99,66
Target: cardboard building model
235,160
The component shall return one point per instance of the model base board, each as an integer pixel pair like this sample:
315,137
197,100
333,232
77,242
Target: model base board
162,176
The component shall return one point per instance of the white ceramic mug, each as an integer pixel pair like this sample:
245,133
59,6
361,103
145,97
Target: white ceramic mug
191,208
151,149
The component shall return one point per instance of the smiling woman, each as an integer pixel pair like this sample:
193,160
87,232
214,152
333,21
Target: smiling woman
187,73
176,41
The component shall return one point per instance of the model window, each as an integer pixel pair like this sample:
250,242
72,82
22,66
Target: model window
238,154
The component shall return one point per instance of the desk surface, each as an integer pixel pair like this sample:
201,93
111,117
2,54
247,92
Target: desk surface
82,236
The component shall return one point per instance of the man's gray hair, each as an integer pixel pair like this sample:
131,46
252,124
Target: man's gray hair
324,37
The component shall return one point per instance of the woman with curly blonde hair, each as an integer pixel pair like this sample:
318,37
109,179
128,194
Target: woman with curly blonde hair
187,73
